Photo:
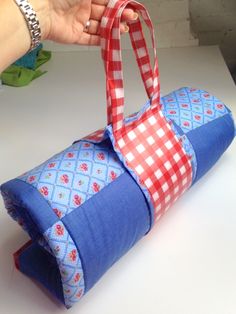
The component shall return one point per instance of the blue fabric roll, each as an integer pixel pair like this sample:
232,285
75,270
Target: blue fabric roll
82,208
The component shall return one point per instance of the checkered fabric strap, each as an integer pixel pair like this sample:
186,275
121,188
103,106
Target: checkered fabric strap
111,53
147,145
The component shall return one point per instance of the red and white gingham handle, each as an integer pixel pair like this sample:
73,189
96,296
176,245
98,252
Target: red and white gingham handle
111,54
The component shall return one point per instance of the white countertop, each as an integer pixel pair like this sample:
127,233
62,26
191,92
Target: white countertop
186,265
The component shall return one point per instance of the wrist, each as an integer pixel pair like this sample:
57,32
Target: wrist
41,7
15,38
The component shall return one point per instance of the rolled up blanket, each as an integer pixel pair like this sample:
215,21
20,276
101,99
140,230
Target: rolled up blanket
86,206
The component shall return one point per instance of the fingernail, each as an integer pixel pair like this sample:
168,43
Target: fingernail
126,29
135,16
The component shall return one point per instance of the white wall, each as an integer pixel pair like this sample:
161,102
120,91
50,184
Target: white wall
171,21
214,21
171,18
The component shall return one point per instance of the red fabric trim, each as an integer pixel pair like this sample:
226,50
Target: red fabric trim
18,253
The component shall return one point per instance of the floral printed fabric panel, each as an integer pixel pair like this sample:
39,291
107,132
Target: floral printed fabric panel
69,263
71,177
191,108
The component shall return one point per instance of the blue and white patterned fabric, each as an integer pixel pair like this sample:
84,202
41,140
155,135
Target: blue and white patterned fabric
68,260
71,177
190,108
83,209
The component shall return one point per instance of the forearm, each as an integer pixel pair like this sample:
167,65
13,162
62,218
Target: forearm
15,38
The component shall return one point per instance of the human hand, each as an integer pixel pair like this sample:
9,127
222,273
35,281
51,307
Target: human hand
65,21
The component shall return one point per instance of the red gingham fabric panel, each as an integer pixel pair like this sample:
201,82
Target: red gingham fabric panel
143,61
148,144
111,53
154,153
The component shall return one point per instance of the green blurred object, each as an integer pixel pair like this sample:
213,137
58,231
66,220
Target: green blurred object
18,76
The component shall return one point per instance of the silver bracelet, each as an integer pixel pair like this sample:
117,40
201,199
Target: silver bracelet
32,22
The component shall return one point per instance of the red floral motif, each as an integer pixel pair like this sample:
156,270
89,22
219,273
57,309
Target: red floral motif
59,230
181,94
31,178
79,293
192,89
57,212
186,123
209,111
113,175
197,117
73,255
170,99
87,145
172,112
101,156
44,190
84,167
196,100
77,199
52,165
184,105
70,155
67,291
220,106
64,178
206,95
77,277
96,187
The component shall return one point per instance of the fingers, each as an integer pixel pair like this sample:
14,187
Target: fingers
98,11
101,2
90,36
94,26
129,15
89,39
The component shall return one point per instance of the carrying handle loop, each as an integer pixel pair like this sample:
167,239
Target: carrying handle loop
111,54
